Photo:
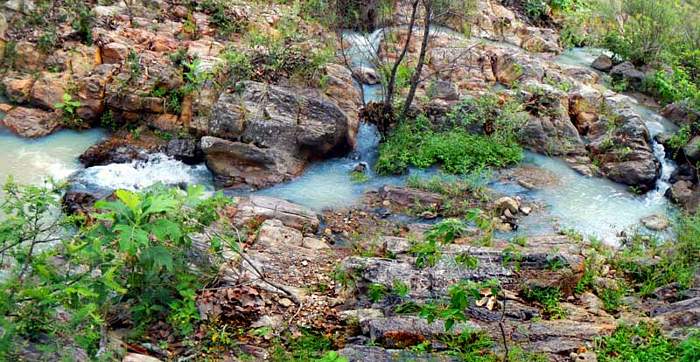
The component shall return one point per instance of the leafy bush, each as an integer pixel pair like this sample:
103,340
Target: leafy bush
639,343
416,144
69,274
677,262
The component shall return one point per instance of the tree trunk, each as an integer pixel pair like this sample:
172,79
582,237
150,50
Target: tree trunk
415,78
391,84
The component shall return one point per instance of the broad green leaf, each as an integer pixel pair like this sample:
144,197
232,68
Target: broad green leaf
161,203
130,199
160,257
165,230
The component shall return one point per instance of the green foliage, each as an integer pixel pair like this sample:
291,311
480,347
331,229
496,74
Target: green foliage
225,21
468,261
640,343
457,150
309,346
135,256
446,231
358,177
690,348
677,85
536,10
376,292
83,19
194,76
427,253
676,262
70,106
548,298
47,41
400,289
133,65
461,295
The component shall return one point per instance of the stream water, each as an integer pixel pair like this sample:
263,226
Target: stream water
593,206
34,160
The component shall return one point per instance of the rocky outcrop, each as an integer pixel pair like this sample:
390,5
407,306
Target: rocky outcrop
266,134
31,122
621,142
628,73
603,63
549,129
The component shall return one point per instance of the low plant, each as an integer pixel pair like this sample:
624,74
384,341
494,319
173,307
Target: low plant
69,107
548,298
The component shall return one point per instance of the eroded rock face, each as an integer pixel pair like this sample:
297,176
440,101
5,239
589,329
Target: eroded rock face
621,142
266,134
31,122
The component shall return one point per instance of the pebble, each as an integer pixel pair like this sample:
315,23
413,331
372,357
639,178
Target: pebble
526,210
285,302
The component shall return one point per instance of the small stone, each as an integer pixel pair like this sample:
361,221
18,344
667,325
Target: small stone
507,203
526,210
656,222
328,232
526,184
386,203
304,263
285,302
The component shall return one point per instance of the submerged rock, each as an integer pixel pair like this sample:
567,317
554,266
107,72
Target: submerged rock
656,222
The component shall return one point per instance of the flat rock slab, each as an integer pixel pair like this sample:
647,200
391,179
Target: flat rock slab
266,208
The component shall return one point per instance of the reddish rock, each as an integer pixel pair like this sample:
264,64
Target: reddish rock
114,53
48,89
18,87
31,122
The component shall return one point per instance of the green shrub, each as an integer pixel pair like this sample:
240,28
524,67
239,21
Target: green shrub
548,298
134,257
415,144
640,343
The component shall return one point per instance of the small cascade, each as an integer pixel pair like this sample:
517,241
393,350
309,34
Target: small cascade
140,174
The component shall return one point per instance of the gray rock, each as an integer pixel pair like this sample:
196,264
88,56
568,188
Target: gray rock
185,150
356,353
265,208
656,222
681,113
403,332
366,75
603,63
408,197
627,72
266,134
273,233
692,149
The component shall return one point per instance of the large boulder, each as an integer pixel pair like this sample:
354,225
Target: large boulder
627,73
621,142
266,134
31,122
549,129
681,113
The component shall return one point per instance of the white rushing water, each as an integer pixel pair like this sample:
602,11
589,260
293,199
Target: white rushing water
140,174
